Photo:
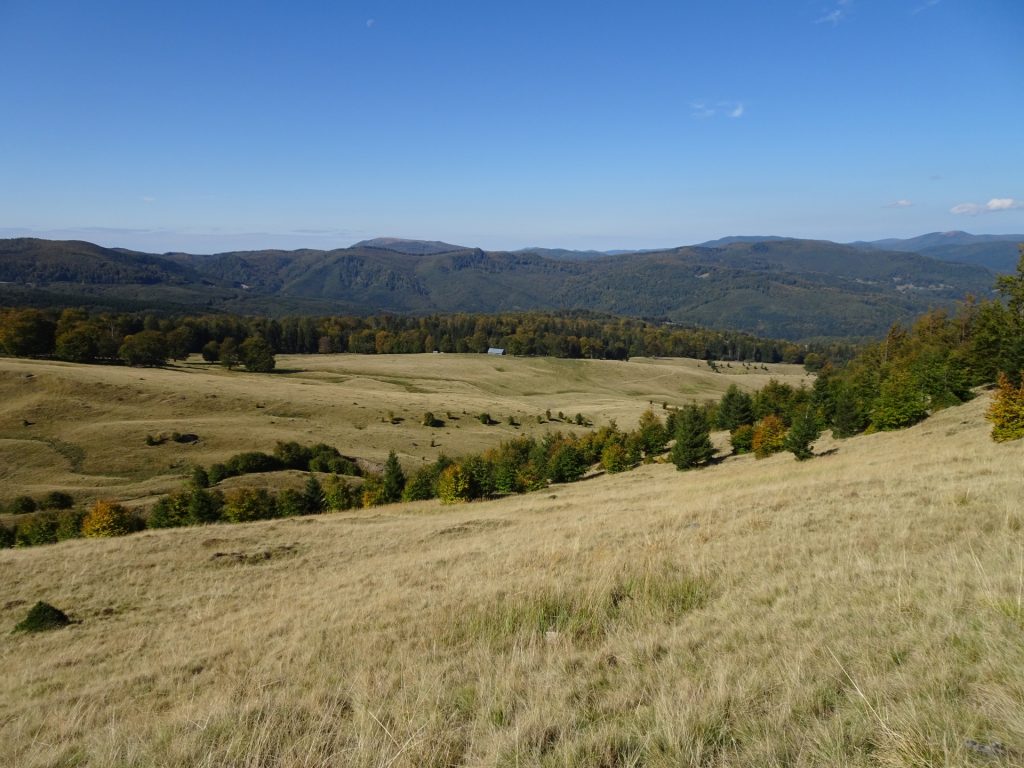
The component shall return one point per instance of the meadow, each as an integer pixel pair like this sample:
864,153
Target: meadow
863,608
82,428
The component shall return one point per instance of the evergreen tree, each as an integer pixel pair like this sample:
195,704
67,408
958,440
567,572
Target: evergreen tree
735,409
693,441
393,479
313,499
804,431
847,420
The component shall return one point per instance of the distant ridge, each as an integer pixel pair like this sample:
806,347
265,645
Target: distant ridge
410,247
777,287
996,252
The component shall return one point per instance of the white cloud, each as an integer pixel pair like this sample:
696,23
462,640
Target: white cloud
994,205
925,6
148,199
835,15
370,23
703,110
899,204
1003,204
971,209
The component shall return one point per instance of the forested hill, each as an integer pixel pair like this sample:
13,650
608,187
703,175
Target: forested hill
783,288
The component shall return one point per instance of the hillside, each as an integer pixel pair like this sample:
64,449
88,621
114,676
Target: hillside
88,423
792,289
859,609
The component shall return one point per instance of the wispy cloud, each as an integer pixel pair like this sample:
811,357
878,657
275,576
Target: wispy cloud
925,6
370,23
995,205
704,109
899,204
148,199
835,14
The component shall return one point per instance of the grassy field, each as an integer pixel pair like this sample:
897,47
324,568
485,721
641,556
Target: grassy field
82,429
865,608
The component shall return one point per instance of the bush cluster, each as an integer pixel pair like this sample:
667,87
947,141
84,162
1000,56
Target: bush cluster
287,455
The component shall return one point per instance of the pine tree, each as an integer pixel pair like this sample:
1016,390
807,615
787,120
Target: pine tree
735,409
693,442
393,479
1007,411
847,419
313,499
804,431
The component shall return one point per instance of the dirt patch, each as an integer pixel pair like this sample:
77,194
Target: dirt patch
255,557
473,526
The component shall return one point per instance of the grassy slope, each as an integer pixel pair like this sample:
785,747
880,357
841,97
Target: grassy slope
89,423
863,608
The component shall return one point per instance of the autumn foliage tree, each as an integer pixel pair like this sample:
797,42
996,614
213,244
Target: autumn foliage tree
1007,411
769,436
105,519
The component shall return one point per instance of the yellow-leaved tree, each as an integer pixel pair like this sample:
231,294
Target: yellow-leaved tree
105,519
1007,410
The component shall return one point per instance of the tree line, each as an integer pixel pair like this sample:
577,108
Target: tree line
78,335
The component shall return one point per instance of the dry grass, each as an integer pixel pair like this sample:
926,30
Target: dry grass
860,609
88,424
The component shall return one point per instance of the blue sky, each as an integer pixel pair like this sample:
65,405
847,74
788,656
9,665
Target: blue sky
211,126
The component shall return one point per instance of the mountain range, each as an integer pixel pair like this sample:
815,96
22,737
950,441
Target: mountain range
771,286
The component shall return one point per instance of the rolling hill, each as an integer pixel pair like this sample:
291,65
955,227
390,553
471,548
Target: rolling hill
783,288
859,609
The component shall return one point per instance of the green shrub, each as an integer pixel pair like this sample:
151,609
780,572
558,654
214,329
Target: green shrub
247,504
341,494
57,500
69,524
613,458
290,503
23,505
42,617
6,536
38,529
192,506
252,462
292,455
742,439
566,464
